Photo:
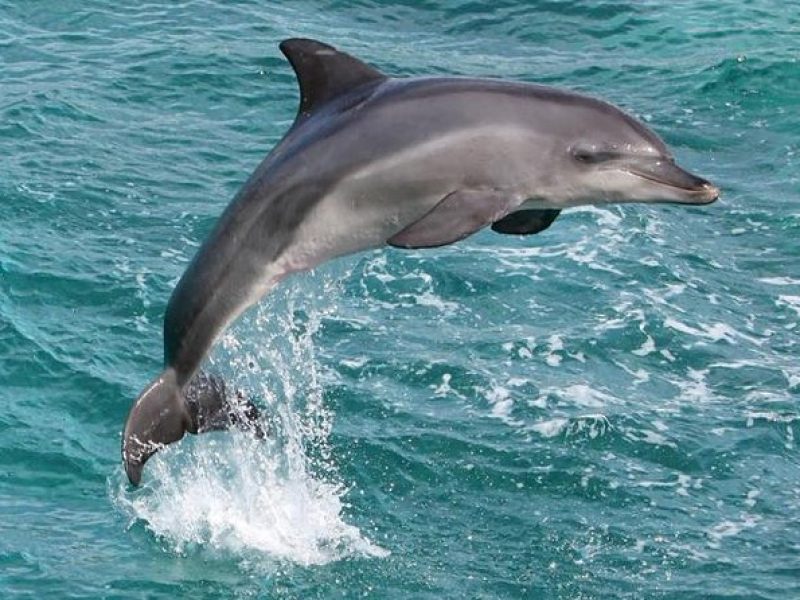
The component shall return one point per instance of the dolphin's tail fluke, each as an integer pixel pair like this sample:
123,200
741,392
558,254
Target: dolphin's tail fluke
164,412
158,417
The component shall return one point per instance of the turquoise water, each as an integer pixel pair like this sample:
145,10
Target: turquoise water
608,409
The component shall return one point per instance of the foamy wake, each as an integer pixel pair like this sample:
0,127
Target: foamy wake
279,498
231,494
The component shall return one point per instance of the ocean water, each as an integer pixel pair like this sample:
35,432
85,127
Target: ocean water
608,409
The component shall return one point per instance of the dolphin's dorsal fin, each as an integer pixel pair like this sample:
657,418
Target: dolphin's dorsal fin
324,73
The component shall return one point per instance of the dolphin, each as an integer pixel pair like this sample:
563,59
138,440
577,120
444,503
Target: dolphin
372,160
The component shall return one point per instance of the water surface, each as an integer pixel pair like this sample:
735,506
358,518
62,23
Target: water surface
607,409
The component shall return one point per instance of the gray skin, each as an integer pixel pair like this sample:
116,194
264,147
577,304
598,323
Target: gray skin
414,163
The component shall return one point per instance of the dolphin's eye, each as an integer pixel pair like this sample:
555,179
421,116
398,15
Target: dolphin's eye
583,155
592,157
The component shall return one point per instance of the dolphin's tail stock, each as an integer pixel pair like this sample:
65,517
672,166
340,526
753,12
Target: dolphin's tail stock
164,412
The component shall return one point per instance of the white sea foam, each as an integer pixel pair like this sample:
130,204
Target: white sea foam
431,299
713,332
550,427
354,363
444,388
588,397
279,498
752,498
588,426
792,374
792,302
648,347
694,386
770,417
728,528
683,484
502,405
780,280
656,439
553,357
235,494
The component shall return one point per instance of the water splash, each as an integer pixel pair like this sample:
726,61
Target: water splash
238,495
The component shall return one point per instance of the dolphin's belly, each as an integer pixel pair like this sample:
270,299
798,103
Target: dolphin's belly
348,221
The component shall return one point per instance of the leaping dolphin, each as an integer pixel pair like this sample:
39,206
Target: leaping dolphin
373,160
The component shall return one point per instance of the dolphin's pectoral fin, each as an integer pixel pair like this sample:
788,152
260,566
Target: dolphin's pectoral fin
526,222
323,72
163,414
457,216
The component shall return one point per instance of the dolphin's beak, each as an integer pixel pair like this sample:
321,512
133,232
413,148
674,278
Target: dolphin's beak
681,186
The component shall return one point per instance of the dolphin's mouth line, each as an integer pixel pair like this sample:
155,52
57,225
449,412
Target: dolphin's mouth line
707,191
